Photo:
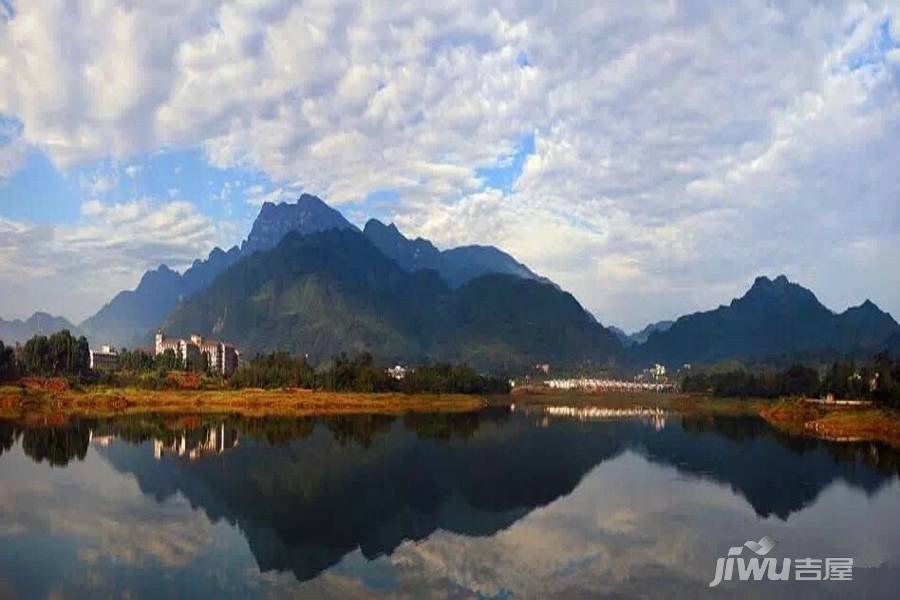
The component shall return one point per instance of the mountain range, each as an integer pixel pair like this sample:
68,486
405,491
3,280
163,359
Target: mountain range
308,281
131,315
456,266
335,291
775,316
20,331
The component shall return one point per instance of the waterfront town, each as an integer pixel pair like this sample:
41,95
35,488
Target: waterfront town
221,358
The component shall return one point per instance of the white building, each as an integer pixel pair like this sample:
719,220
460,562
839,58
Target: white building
105,359
222,358
398,372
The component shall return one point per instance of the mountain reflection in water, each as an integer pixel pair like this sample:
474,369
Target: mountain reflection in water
305,493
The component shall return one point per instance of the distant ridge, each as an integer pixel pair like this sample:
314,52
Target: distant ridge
775,316
620,334
639,337
42,323
456,265
130,315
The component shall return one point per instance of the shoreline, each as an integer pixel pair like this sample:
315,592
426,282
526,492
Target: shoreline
29,404
827,422
837,424
833,423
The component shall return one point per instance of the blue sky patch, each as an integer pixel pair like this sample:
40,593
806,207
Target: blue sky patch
873,53
503,175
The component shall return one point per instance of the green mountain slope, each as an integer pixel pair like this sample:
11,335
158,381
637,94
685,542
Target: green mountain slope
335,291
773,317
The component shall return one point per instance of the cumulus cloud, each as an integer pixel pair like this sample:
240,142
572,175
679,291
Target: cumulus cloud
73,269
679,149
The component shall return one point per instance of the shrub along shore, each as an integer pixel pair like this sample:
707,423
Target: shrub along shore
33,404
793,415
52,380
63,356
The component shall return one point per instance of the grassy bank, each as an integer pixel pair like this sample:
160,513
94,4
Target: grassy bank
839,424
791,415
35,405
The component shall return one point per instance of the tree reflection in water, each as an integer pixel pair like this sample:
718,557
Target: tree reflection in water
306,492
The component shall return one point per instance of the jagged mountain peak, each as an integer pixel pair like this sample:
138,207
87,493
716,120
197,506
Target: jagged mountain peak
411,255
775,317
868,314
456,265
780,282
303,202
158,276
867,306
376,227
780,291
375,224
309,214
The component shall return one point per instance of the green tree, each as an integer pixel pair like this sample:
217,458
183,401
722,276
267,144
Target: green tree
137,361
8,370
59,354
168,361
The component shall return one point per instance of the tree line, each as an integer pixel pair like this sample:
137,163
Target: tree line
360,374
877,381
63,355
60,354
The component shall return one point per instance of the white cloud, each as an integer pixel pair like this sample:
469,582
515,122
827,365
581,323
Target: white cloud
101,183
92,208
257,195
679,149
72,269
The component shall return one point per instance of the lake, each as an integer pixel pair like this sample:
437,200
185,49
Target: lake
494,503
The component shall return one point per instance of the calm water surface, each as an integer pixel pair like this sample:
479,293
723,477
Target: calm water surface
497,503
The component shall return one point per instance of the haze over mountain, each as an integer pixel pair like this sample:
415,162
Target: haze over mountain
620,334
335,291
130,315
20,331
639,337
773,317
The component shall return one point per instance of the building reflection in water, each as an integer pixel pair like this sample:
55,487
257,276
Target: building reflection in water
197,443
192,444
307,494
652,416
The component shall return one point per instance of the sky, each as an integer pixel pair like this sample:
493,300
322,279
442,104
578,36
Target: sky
652,158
